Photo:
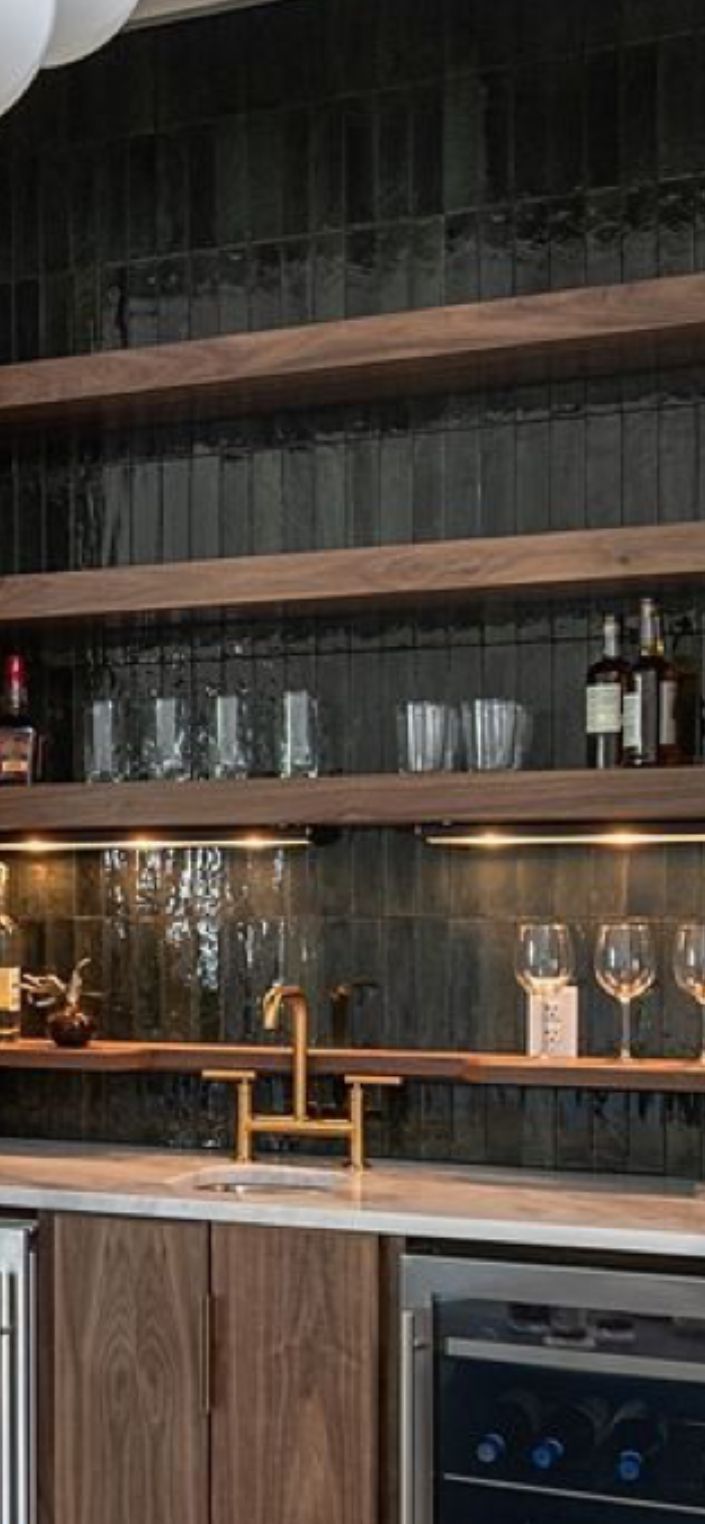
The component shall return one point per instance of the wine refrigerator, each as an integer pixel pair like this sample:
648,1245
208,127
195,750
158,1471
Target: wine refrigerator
545,1392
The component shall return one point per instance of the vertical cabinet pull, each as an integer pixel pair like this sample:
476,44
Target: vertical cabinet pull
407,1501
416,1417
205,1356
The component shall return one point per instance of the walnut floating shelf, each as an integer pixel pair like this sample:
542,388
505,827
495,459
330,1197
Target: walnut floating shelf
380,576
143,813
460,1068
588,329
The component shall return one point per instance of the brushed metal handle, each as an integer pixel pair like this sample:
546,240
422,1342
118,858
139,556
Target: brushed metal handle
7,1401
205,1356
407,1500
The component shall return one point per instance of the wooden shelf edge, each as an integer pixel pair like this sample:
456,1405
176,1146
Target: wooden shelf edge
670,1075
217,810
555,332
382,576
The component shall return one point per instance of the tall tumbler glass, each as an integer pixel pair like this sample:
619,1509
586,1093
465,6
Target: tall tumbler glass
229,736
298,742
165,738
104,741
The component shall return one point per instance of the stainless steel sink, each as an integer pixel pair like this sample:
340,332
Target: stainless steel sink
243,1179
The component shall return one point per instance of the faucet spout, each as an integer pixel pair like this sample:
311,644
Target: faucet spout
293,996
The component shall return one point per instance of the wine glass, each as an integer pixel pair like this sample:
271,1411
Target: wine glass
625,967
689,965
544,961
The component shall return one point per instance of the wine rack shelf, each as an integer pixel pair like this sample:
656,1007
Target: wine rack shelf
490,800
583,330
525,566
669,1075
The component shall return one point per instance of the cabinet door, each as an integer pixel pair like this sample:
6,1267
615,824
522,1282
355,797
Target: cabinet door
130,1437
296,1410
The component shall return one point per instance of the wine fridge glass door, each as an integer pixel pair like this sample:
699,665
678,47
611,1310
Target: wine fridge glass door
541,1393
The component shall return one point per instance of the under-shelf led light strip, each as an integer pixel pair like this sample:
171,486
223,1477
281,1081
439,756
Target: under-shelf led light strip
621,840
38,846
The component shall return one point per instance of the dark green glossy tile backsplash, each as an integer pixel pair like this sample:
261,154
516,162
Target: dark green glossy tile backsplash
318,159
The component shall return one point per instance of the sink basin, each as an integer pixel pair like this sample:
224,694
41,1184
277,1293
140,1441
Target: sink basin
241,1179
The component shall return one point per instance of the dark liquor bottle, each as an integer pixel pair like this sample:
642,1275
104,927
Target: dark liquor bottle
650,702
512,1425
571,1435
605,688
669,706
689,701
20,742
634,1441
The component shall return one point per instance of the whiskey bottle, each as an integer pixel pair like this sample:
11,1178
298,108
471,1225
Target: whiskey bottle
650,702
21,747
10,969
605,687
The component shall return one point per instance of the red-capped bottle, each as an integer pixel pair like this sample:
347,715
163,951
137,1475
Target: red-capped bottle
21,748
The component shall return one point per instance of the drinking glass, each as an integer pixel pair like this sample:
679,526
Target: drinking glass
523,737
427,737
497,734
689,966
298,750
544,960
104,742
165,738
625,967
229,741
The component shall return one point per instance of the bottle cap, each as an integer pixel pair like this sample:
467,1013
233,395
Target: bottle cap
545,1454
630,1466
491,1449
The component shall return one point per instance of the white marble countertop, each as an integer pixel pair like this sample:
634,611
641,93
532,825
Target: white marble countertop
570,1211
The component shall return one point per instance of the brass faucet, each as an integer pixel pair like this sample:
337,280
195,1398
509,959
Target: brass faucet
293,996
298,1123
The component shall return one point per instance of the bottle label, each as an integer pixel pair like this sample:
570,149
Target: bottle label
631,720
17,755
668,700
604,709
10,994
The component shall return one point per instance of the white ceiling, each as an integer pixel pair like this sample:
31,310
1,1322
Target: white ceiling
149,12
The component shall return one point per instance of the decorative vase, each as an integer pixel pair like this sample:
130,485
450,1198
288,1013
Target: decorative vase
71,1028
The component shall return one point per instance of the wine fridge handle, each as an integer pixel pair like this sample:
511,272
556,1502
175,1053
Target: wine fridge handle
7,1401
407,1404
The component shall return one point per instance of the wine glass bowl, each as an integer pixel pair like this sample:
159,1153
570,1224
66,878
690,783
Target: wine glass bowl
689,966
544,960
625,967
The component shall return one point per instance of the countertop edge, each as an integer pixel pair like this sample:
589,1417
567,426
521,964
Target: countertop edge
342,1218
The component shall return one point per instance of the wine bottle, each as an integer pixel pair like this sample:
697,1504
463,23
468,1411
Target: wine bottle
512,1426
21,748
605,686
669,690
634,1440
10,969
650,700
571,1434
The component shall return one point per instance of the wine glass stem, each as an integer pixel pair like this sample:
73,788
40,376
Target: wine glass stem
702,1050
626,1048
